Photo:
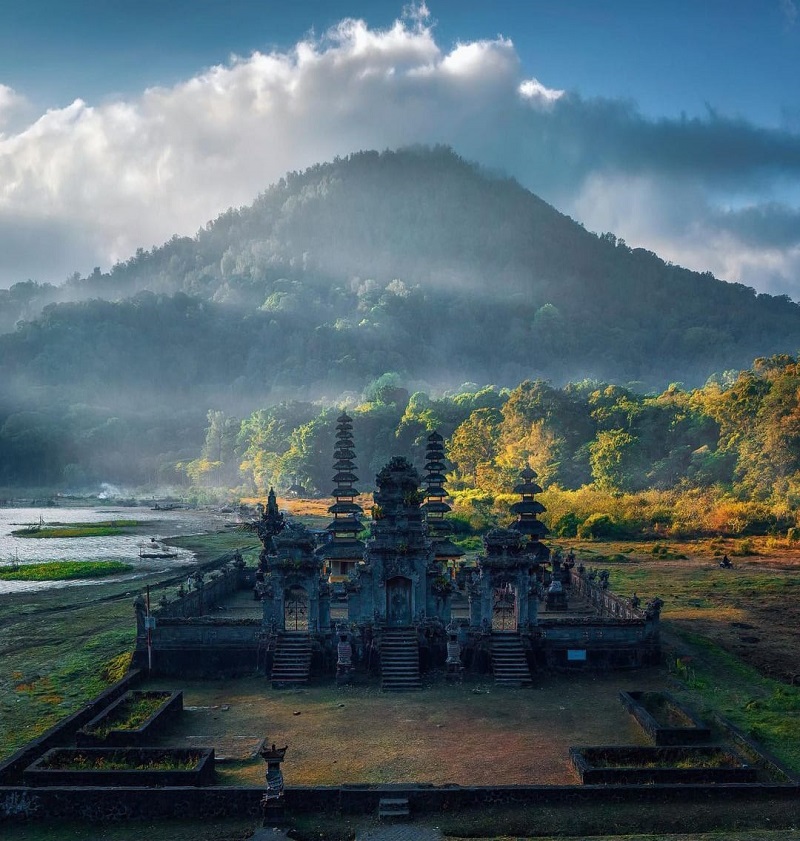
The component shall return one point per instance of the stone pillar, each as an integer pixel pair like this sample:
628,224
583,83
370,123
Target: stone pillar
324,607
533,603
487,586
474,597
522,600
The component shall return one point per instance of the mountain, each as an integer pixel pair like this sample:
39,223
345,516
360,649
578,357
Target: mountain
412,261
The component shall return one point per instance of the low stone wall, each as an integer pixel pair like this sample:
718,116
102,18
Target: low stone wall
212,802
216,587
636,703
64,732
212,661
614,765
171,706
45,771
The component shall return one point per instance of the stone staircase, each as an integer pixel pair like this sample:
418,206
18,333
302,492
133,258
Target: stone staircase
393,809
291,665
399,660
509,664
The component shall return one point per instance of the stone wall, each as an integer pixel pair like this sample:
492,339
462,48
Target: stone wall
212,802
216,587
204,647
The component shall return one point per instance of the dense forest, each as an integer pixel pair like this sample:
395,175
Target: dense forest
413,262
724,458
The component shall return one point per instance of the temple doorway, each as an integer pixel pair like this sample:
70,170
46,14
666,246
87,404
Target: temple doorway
398,601
504,608
295,608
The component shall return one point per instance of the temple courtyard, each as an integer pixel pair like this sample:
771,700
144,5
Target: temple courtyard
467,733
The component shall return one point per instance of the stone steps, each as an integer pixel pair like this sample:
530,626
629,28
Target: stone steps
291,665
400,660
393,808
509,663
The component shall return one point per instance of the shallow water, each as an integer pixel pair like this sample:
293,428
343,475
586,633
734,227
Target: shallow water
123,547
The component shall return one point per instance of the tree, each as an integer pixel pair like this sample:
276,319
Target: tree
474,444
219,456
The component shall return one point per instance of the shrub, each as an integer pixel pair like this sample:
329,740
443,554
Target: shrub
599,525
568,525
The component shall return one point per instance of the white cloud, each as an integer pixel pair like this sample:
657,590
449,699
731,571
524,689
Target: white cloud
675,219
13,108
98,181
534,90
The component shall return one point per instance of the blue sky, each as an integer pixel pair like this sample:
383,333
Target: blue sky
741,57
674,124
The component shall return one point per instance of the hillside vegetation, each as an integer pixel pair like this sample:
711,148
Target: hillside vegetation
723,459
413,262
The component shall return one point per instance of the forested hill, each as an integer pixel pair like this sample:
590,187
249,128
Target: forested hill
410,261
413,262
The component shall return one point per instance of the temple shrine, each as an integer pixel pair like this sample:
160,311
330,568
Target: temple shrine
402,605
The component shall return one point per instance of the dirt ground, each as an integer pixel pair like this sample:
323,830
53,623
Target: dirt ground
752,610
471,733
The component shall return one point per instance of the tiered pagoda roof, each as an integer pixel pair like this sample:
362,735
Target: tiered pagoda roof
435,506
528,509
397,520
268,526
346,524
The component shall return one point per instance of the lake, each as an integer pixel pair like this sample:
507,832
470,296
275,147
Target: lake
123,547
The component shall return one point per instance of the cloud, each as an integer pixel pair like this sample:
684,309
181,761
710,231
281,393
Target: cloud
758,245
14,109
534,90
91,183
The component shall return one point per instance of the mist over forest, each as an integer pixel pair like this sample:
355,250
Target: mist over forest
413,263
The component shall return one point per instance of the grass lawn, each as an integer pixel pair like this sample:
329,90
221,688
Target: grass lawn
225,829
752,611
60,647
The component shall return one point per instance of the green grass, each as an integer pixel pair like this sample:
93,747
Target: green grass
106,528
210,546
62,570
765,709
128,715
118,761
51,676
62,646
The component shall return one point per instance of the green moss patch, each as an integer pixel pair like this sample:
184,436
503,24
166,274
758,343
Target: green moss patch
106,528
62,570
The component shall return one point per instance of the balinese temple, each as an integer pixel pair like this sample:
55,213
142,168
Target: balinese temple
527,511
343,550
435,507
405,618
